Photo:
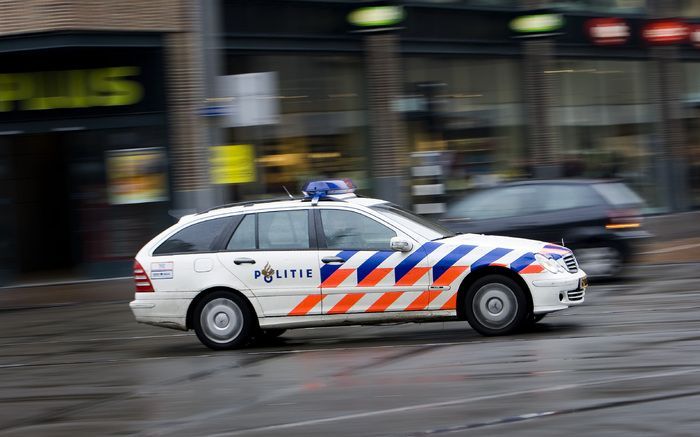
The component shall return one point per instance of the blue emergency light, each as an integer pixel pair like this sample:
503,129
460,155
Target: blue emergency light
317,189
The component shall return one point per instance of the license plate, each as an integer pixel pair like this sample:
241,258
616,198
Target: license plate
583,282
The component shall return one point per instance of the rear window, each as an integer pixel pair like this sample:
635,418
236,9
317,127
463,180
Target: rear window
617,193
198,237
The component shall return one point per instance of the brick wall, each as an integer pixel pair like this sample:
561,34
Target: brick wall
28,16
178,20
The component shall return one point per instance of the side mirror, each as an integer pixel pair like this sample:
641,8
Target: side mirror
400,244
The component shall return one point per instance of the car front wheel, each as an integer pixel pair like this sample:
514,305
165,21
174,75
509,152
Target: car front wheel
223,321
496,305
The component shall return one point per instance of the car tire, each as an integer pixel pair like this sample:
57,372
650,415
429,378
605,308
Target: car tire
600,261
496,305
222,320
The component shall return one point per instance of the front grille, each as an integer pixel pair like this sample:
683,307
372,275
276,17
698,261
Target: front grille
575,295
570,263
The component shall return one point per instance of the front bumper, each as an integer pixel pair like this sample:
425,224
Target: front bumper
554,292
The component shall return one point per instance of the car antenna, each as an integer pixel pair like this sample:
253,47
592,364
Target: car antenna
288,193
562,241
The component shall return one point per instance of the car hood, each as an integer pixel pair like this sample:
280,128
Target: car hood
498,241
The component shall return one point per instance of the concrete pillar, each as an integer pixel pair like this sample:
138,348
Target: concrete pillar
389,153
543,139
189,163
665,90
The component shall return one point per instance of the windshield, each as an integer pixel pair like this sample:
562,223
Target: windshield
426,228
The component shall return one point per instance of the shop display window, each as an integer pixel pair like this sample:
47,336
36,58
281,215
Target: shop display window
605,119
468,114
691,104
322,129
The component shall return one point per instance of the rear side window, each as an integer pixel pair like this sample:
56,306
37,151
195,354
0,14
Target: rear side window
244,236
558,197
199,237
283,230
618,194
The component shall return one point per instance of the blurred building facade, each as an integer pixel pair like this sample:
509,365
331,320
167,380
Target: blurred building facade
102,129
95,96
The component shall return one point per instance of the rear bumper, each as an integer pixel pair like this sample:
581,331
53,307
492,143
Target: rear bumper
557,292
169,311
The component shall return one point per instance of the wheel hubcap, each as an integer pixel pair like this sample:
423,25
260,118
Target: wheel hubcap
495,305
221,320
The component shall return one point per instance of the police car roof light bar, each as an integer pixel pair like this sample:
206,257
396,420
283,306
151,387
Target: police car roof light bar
315,190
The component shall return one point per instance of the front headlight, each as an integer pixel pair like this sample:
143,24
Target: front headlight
548,263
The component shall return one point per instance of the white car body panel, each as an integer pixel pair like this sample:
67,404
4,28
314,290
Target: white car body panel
369,287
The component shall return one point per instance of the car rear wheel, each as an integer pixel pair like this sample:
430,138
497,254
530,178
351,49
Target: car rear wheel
222,320
496,305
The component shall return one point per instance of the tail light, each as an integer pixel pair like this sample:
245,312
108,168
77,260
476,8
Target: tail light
143,284
623,219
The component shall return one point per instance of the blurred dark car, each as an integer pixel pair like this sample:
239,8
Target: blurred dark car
598,219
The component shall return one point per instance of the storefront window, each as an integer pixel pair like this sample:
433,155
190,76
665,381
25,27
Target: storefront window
691,100
468,111
690,8
605,121
322,125
87,199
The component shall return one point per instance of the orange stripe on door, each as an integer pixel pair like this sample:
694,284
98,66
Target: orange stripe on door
450,275
384,302
373,278
451,303
307,304
347,302
413,276
421,302
532,268
336,278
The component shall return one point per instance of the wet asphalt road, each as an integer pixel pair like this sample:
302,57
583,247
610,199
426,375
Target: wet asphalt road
626,363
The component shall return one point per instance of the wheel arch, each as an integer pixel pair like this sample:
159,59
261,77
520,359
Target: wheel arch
204,293
485,271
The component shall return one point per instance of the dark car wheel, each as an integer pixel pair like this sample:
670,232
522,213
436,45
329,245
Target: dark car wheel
496,305
600,261
222,320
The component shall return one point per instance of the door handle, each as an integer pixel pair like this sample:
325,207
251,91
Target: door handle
332,260
239,261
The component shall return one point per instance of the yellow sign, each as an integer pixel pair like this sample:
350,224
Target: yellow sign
232,164
113,86
136,176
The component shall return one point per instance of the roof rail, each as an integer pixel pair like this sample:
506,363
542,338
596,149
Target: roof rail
246,203
331,198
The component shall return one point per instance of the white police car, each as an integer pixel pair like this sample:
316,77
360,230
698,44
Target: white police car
332,258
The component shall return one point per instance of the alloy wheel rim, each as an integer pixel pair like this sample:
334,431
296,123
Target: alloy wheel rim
495,305
221,320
